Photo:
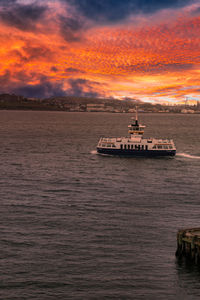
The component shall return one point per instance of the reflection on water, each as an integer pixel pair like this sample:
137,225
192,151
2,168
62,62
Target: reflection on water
188,278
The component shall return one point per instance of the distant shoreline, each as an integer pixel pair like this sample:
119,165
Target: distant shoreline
107,112
83,104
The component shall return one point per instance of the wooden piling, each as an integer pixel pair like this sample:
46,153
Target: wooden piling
188,244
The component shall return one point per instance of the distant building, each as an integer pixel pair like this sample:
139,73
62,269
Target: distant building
74,108
187,111
131,110
95,107
109,108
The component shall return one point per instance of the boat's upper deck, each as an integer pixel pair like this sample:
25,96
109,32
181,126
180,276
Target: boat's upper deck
137,139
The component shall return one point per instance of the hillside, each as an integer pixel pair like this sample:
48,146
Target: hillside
11,101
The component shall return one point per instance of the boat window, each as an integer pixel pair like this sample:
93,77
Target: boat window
132,146
124,146
149,141
128,146
138,147
121,146
142,147
165,147
159,147
154,147
146,147
170,147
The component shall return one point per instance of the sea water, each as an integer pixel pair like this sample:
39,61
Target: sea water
78,225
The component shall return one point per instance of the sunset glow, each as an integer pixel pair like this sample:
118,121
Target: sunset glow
57,49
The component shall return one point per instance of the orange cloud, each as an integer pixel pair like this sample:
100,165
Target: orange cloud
154,61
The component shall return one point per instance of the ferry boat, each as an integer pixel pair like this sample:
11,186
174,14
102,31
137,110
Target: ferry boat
135,144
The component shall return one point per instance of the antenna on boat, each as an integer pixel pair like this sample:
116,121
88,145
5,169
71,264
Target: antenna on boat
136,115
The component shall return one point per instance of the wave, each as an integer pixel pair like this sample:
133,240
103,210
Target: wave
186,155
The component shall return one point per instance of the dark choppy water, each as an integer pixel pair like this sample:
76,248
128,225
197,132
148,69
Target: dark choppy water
77,225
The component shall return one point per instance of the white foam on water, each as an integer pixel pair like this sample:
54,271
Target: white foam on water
186,155
94,152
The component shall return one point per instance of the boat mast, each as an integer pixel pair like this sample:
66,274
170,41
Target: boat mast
136,129
136,116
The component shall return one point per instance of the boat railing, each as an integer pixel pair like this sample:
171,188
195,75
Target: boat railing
113,139
108,140
165,141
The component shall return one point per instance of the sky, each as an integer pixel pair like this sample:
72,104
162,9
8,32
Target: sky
140,49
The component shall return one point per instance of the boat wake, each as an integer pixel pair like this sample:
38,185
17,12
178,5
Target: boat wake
188,156
94,152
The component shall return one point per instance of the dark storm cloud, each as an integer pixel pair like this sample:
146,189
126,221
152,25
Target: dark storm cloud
37,52
116,10
196,11
82,88
71,28
176,67
23,17
73,70
7,2
44,89
54,69
16,84
31,54
153,68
